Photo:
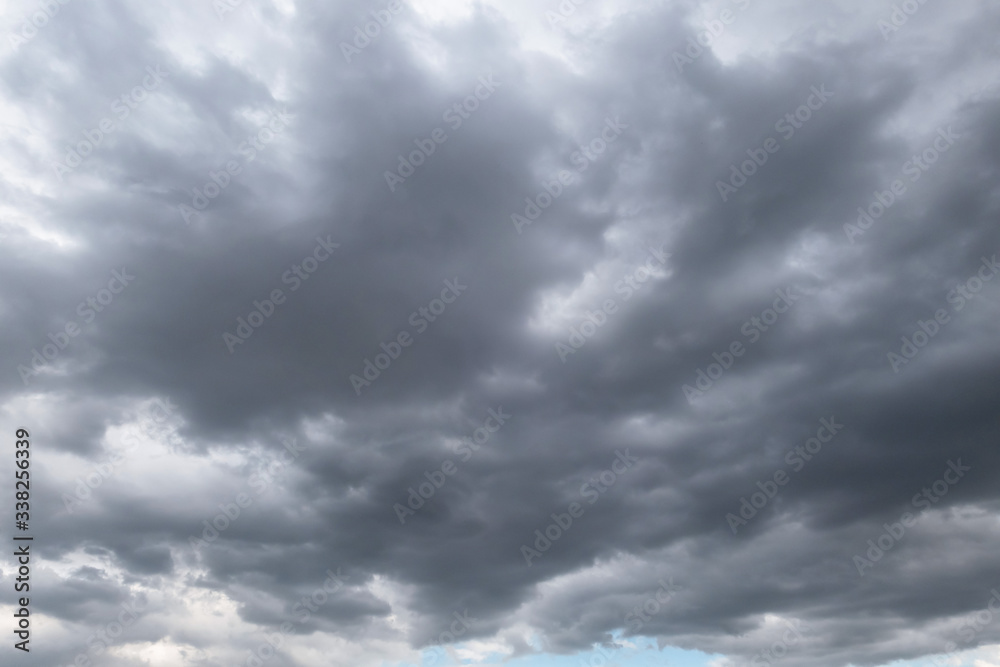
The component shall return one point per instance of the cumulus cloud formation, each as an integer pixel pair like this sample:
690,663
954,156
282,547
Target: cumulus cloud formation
421,332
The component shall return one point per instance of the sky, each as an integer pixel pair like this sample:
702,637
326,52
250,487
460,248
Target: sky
529,333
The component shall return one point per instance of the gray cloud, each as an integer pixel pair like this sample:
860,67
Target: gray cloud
321,178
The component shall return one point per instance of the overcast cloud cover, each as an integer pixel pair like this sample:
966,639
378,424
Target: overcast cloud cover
214,214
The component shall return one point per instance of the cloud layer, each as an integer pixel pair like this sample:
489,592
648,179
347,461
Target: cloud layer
378,326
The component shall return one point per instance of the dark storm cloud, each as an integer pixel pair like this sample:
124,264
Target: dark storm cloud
320,182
